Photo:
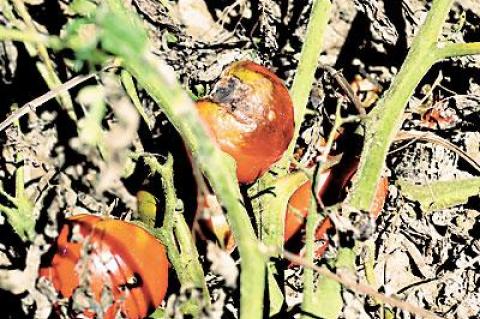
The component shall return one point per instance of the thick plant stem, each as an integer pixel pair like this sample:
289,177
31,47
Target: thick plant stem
182,114
305,73
160,82
386,119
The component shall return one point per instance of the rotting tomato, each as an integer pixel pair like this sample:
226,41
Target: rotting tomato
331,183
250,114
297,209
107,255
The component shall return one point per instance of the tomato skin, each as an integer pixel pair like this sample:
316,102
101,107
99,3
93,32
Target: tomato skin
298,204
250,115
330,185
122,256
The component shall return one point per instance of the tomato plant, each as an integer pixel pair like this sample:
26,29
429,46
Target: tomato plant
109,255
250,114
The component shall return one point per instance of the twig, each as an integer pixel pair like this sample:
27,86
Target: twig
435,139
343,83
357,287
32,105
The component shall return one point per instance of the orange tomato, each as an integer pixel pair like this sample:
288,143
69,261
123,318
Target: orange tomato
122,258
250,114
331,184
298,204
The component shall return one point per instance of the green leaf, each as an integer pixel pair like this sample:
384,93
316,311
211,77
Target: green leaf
159,313
441,194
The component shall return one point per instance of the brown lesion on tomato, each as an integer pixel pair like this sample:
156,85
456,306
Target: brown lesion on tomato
245,102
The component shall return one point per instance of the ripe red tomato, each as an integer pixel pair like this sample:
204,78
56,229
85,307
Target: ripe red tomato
122,257
250,114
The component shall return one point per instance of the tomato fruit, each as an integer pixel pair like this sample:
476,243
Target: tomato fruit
329,183
298,204
122,257
250,114
147,207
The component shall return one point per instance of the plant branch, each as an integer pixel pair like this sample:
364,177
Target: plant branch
448,50
385,120
184,256
350,283
308,63
124,40
32,105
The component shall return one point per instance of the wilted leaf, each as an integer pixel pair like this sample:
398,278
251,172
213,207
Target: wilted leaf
441,194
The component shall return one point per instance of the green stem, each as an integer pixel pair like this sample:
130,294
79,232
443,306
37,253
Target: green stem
386,119
307,65
269,210
308,274
183,257
22,36
448,50
160,82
